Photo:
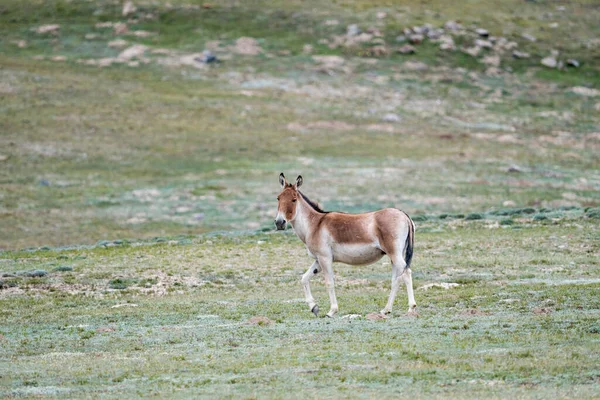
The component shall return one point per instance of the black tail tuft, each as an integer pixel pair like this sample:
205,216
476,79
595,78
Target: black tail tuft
410,241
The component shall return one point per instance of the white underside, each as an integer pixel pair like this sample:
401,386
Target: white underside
357,254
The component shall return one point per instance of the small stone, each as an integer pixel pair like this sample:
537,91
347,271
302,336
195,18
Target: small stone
520,54
59,58
407,49
452,26
492,60
20,43
485,44
134,51
91,36
352,30
529,37
3,157
584,91
416,38
509,203
52,28
514,169
473,51
415,66
307,49
381,14
118,44
400,39
571,62
104,25
128,8
482,32
120,28
391,118
434,34
549,62
331,22
141,34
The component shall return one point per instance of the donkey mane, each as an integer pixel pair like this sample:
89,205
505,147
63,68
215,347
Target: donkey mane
313,204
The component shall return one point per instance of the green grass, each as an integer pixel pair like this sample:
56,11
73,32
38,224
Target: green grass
136,203
515,325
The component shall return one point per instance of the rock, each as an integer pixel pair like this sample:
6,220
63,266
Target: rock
508,203
584,91
416,38
485,44
331,22
492,60
120,28
415,66
3,157
571,62
307,49
141,34
407,31
91,36
118,44
446,42
400,39
374,31
128,8
377,51
134,51
381,14
434,34
407,49
376,317
329,60
452,26
208,57
520,54
247,46
59,58
529,37
482,32
352,30
52,28
104,25
391,118
549,62
260,321
473,51
514,169
20,43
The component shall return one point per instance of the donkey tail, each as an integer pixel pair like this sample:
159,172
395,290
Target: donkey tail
410,242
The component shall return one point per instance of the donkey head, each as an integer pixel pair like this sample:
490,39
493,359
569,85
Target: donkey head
286,209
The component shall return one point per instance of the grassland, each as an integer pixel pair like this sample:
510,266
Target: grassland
137,199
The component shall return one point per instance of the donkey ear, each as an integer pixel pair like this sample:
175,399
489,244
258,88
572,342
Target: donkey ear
282,180
299,181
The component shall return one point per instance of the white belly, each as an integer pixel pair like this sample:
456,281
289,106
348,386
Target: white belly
356,254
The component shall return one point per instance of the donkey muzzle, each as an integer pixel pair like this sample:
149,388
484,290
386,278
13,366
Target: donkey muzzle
280,224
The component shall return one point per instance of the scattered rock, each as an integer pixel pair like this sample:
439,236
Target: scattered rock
529,37
247,46
260,321
509,203
307,49
584,91
124,305
472,51
331,61
331,22
134,51
351,316
542,311
400,39
20,43
520,54
104,25
416,38
415,66
453,26
128,8
59,58
482,32
484,44
514,169
376,317
443,285
446,42
91,36
3,157
571,62
52,28
391,118
493,60
407,49
120,28
208,57
381,14
118,44
549,62
141,34
353,30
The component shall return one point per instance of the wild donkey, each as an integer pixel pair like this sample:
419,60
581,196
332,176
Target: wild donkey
355,239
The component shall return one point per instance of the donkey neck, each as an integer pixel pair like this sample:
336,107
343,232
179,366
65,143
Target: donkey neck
306,217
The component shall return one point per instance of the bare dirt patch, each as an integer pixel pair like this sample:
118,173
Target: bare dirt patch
261,321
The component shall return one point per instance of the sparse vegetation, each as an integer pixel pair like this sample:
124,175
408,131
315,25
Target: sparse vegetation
138,185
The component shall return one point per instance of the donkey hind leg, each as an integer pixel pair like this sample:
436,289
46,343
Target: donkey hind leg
328,274
400,273
312,270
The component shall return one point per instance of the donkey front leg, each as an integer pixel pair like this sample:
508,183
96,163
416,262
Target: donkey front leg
313,270
328,273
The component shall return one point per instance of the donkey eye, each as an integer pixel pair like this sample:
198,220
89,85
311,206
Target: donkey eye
277,198
293,200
